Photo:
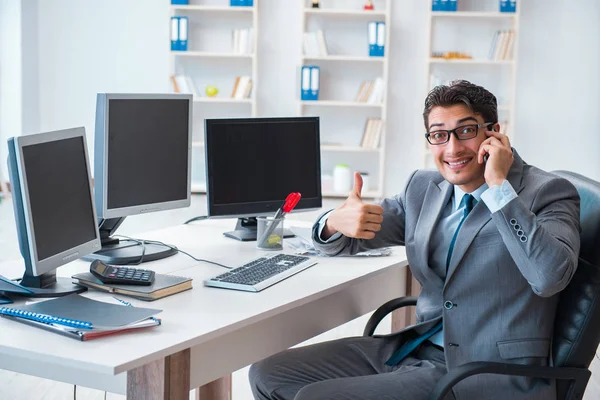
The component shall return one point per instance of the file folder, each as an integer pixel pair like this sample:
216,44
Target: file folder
183,33
452,5
180,2
435,5
372,36
314,82
444,5
305,83
174,33
380,48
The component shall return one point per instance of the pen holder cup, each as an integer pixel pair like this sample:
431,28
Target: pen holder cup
269,233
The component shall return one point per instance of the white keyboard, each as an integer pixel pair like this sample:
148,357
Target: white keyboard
261,273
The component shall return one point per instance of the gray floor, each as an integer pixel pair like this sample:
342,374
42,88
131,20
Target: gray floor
15,386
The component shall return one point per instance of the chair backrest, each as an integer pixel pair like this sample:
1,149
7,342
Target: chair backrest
577,324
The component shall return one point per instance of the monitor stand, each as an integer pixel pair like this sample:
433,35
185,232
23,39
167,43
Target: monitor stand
245,230
124,252
48,285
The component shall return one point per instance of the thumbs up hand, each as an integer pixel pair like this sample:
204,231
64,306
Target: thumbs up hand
354,218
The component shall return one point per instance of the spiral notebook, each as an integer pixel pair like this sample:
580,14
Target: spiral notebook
82,318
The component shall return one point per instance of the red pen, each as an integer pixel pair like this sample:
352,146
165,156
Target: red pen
290,202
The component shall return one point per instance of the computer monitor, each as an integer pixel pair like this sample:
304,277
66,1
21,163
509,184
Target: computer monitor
142,164
252,164
53,205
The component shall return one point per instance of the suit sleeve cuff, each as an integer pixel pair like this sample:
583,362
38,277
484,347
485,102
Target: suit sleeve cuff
322,222
496,197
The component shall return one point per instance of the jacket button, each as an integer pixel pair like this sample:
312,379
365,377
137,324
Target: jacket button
513,221
448,305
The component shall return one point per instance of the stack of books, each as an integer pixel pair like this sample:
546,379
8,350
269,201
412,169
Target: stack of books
372,134
370,92
242,41
242,88
184,84
315,44
502,46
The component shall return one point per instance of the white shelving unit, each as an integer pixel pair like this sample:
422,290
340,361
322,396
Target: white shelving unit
211,60
471,29
342,72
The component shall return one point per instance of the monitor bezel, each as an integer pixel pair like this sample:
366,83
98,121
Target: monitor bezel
51,263
263,208
101,155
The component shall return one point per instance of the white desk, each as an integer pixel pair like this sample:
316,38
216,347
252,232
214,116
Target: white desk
216,331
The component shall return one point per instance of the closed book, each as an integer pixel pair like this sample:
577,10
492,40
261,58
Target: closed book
163,286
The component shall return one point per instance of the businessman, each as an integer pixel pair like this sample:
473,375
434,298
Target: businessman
491,239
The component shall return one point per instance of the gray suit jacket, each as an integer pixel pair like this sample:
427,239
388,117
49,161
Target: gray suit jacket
499,298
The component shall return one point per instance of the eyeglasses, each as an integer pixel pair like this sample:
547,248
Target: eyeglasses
464,132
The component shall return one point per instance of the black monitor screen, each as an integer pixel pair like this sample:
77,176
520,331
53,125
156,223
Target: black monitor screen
59,195
253,164
148,143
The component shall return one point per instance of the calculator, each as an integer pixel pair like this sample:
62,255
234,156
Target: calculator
121,275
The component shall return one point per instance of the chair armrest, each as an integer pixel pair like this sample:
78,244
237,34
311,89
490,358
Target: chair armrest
579,375
385,309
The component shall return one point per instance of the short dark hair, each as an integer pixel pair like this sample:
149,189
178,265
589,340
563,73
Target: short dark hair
477,98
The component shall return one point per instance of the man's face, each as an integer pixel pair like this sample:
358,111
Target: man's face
457,159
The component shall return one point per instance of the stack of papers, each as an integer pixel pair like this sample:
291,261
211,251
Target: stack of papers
302,244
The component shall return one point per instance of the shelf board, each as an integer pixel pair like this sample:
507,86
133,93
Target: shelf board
222,100
236,9
357,149
371,194
210,54
338,103
472,14
344,58
470,61
345,12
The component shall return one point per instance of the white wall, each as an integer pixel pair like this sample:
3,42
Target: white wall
10,77
86,47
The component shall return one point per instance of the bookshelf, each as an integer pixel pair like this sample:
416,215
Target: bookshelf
472,30
212,60
344,67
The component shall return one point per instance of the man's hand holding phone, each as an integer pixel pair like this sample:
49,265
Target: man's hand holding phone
499,157
354,218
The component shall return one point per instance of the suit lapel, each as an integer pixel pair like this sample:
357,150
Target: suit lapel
479,216
436,198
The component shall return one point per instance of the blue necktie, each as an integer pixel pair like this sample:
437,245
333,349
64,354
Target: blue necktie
468,201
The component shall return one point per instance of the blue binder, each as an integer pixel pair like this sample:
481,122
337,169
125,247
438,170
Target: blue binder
174,33
452,5
508,6
315,82
436,6
183,34
236,3
380,47
180,2
444,5
305,83
372,37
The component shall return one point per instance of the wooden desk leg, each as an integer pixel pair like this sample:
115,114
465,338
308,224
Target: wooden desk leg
406,316
215,390
166,379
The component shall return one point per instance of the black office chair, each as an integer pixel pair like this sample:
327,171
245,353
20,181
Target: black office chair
577,325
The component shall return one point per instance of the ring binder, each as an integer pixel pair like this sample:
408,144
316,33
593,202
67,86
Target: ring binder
48,319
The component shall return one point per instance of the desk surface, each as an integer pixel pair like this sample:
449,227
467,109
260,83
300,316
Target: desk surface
224,322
